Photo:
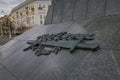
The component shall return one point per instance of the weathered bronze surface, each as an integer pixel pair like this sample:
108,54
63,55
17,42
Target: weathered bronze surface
61,40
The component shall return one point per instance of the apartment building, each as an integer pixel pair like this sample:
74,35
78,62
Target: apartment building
30,13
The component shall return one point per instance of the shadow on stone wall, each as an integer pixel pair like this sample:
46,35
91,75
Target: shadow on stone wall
78,10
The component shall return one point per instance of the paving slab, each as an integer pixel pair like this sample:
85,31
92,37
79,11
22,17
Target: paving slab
7,52
5,75
116,57
1,66
106,30
58,66
82,64
22,64
98,66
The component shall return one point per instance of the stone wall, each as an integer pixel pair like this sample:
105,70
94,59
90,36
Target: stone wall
78,10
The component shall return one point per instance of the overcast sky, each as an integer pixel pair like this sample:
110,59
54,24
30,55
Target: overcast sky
7,5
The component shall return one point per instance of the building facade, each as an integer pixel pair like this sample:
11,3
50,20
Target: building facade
30,13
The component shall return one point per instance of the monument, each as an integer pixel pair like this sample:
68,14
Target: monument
101,18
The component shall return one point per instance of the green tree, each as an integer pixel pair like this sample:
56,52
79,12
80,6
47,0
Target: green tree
1,27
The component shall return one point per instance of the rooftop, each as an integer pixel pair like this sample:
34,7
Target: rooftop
24,4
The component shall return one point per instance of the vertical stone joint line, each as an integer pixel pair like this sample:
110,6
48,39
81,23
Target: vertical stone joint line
53,11
62,11
105,7
118,69
87,9
74,3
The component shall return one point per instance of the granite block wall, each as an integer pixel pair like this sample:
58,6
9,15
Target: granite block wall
78,10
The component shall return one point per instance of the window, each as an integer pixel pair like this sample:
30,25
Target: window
17,22
40,16
26,7
28,19
40,22
43,6
17,16
33,22
32,17
16,12
32,9
40,8
39,5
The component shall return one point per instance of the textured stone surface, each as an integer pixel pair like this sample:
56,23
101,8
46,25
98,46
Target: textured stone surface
98,66
57,68
96,8
68,8
116,57
78,10
1,66
57,12
56,19
7,52
81,65
67,19
5,75
113,7
50,15
107,30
